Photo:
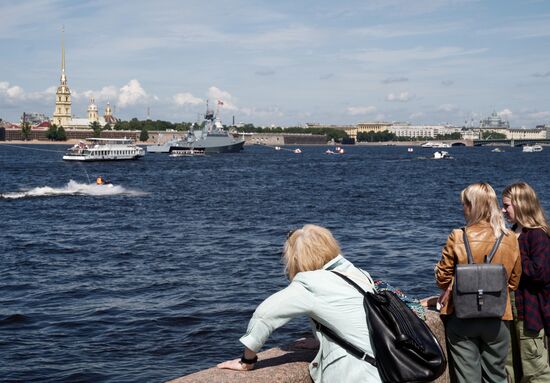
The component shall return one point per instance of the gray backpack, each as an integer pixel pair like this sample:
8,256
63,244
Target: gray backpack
480,290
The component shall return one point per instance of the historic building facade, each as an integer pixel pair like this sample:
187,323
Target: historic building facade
62,115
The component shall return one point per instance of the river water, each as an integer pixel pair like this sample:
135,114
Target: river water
157,276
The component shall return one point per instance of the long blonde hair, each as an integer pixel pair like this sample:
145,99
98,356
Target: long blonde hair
527,209
308,249
481,205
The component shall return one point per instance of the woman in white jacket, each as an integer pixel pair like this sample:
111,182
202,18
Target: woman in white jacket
309,254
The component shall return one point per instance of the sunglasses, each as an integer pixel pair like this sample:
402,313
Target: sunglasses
289,234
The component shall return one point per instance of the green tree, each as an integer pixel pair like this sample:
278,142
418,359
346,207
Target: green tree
26,131
52,133
144,135
96,127
376,136
61,134
134,124
489,135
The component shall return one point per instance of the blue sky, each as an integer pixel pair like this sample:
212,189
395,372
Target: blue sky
282,62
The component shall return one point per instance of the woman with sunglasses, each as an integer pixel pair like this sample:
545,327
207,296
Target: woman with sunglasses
309,254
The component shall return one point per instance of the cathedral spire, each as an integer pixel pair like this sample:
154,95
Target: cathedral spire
63,76
62,115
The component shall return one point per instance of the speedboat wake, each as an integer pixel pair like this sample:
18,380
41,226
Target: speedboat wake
73,188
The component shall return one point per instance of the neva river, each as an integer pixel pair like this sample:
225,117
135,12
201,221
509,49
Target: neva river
157,277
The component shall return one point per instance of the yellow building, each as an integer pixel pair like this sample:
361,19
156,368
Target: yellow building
364,127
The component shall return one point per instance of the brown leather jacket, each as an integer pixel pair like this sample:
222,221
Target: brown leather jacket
481,240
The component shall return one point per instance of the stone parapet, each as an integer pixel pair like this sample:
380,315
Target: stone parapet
289,364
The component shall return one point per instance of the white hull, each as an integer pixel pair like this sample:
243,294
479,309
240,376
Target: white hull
101,158
532,149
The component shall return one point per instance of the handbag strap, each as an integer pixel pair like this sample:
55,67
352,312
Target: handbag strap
358,353
489,257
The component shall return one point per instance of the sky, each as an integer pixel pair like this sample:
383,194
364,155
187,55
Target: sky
282,63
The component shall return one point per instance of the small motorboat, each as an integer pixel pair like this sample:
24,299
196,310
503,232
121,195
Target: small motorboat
532,148
441,154
337,150
297,151
497,150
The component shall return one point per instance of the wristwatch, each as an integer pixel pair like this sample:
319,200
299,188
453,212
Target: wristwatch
249,361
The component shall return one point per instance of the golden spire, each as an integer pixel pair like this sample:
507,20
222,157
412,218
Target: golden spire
63,77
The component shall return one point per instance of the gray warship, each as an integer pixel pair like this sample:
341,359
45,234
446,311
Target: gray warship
212,138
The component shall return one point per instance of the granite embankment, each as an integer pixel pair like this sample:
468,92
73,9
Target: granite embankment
289,364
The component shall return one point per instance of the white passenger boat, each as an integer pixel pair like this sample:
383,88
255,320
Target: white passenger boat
104,149
433,144
532,148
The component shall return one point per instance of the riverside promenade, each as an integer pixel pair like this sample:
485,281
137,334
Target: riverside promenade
289,364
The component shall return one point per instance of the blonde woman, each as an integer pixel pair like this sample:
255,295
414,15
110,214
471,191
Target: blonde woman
478,347
522,209
309,254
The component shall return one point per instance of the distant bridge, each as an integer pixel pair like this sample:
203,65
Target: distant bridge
515,142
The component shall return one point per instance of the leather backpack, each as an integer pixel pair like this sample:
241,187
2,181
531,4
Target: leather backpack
480,290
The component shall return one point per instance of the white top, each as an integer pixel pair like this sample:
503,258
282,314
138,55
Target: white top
328,299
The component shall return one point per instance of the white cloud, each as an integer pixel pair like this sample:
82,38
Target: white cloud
107,93
11,93
132,94
506,114
182,99
401,97
16,93
356,110
217,94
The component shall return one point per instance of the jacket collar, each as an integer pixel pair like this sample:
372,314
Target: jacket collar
335,262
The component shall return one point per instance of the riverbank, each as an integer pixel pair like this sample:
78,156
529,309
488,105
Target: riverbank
151,142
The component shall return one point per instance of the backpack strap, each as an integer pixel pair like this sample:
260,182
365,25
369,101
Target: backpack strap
489,257
358,353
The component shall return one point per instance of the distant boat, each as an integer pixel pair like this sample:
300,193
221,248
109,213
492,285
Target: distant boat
440,155
104,149
297,151
337,150
496,150
187,153
532,148
410,150
434,144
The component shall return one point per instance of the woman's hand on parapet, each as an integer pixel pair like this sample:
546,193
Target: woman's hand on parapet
236,365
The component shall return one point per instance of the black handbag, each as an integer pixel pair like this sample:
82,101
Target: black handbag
480,290
405,349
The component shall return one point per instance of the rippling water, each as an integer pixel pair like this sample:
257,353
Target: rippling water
157,277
